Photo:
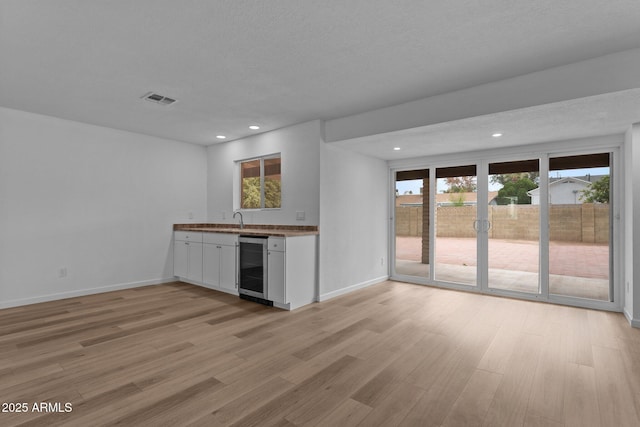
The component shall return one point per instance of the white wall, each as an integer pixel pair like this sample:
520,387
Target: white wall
632,224
299,148
562,193
344,193
354,194
96,201
566,192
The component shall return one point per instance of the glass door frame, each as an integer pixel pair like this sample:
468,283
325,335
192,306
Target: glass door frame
393,274
544,153
432,232
616,239
430,280
543,248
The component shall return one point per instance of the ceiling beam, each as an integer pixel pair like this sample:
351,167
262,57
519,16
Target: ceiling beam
606,74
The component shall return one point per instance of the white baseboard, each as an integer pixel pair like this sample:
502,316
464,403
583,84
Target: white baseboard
82,292
282,306
633,322
352,288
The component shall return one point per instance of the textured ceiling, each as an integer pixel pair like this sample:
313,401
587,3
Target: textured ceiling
599,115
280,62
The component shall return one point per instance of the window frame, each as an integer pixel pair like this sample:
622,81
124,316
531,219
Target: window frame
262,182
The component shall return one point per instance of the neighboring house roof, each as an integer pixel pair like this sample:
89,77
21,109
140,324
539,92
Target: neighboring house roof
568,179
587,178
441,198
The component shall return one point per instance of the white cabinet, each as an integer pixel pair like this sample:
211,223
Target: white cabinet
276,290
180,258
195,261
187,256
291,271
228,269
211,260
219,267
211,266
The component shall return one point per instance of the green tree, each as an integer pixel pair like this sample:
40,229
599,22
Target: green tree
508,177
272,193
251,193
517,189
461,184
597,192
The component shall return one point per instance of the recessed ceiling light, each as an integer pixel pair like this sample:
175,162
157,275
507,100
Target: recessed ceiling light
221,137
254,127
396,148
497,135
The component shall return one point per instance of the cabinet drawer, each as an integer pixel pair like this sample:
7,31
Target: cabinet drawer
220,239
276,244
188,236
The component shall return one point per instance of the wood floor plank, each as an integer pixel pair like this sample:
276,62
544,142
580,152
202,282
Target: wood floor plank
394,409
533,421
331,340
245,403
389,354
336,390
376,389
348,413
448,375
497,356
547,390
579,346
276,409
580,397
615,395
157,412
509,405
603,329
297,373
471,407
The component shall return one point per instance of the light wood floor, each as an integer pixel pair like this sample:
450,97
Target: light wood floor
391,354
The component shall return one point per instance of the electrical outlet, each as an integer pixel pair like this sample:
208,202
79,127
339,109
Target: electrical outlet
382,261
224,215
628,286
190,215
300,215
62,272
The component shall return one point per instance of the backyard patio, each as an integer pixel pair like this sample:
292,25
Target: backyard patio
576,269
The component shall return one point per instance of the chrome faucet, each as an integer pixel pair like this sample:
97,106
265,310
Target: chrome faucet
241,220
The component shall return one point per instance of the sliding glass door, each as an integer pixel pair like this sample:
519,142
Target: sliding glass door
580,226
513,227
456,223
538,227
411,224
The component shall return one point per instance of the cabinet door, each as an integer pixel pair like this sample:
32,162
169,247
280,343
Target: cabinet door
195,262
276,290
180,258
211,266
228,267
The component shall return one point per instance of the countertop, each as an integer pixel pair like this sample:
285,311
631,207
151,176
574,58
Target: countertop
251,229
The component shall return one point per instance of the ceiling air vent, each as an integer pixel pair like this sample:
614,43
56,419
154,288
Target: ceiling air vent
158,99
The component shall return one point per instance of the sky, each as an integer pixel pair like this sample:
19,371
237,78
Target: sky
414,185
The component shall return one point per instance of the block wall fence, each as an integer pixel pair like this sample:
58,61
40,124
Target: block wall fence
585,223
